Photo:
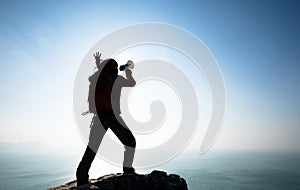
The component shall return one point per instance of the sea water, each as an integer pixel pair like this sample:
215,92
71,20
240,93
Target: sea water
230,170
227,170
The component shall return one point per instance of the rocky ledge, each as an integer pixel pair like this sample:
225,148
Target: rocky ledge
156,180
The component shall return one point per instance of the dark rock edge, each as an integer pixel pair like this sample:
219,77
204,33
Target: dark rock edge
156,180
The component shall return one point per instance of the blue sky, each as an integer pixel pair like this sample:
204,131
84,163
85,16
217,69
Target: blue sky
256,44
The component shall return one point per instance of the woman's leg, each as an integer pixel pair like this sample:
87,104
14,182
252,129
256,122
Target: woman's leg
120,129
96,135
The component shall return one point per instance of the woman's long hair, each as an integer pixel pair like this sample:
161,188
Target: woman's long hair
105,77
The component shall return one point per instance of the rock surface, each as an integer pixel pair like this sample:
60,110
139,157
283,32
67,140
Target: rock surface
156,180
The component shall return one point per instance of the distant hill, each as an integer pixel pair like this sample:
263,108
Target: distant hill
24,147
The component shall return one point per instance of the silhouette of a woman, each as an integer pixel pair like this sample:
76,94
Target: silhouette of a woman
104,102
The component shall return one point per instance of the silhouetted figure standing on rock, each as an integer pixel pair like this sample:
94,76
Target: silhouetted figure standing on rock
104,103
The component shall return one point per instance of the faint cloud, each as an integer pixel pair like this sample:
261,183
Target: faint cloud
40,33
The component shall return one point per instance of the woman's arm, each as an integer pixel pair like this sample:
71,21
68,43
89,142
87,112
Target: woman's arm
129,81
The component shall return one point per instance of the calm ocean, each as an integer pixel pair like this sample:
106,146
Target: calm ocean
226,170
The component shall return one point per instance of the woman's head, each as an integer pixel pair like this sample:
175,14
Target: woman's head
109,66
